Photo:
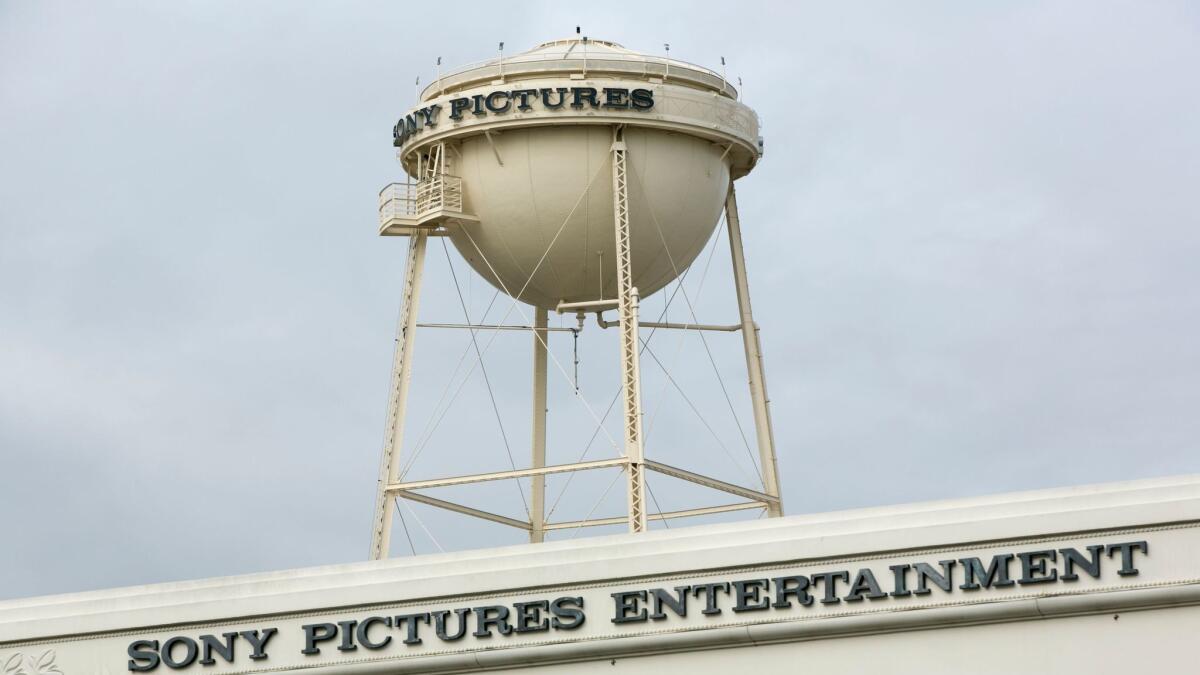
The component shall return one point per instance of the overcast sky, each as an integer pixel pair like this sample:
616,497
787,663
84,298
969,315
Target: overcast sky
973,243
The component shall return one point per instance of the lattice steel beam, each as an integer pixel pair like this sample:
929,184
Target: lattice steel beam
627,297
389,463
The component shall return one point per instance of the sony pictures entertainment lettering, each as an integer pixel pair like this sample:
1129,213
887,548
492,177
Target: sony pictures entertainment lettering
769,593
523,100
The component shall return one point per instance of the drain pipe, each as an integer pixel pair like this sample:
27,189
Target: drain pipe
681,326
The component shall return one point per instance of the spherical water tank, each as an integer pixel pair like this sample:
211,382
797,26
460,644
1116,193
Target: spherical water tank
531,140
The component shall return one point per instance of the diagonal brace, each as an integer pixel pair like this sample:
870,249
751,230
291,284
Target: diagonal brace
713,483
459,508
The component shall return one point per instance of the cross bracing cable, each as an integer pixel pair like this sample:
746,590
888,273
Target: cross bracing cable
720,380
407,536
439,417
545,254
487,381
616,396
542,339
427,432
660,399
654,499
571,475
575,530
699,415
422,525
514,306
668,380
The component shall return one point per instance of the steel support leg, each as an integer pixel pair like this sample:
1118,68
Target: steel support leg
389,464
754,360
628,309
537,511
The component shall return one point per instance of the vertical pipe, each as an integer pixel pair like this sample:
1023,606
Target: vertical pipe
389,464
628,308
538,509
754,360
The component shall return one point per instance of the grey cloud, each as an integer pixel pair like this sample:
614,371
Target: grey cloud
972,247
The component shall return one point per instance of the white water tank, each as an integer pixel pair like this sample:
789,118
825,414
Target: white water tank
531,139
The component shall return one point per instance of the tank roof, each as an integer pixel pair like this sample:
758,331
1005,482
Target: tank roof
581,54
571,42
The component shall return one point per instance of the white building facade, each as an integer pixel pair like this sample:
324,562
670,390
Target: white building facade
1099,579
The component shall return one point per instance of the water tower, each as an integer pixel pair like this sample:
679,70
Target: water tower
577,177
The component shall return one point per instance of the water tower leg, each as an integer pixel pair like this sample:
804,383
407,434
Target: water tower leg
389,465
628,309
754,360
538,507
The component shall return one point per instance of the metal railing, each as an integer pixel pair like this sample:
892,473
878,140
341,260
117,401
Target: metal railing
602,60
624,55
440,192
397,200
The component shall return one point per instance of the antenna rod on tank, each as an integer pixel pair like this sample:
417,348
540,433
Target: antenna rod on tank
667,46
